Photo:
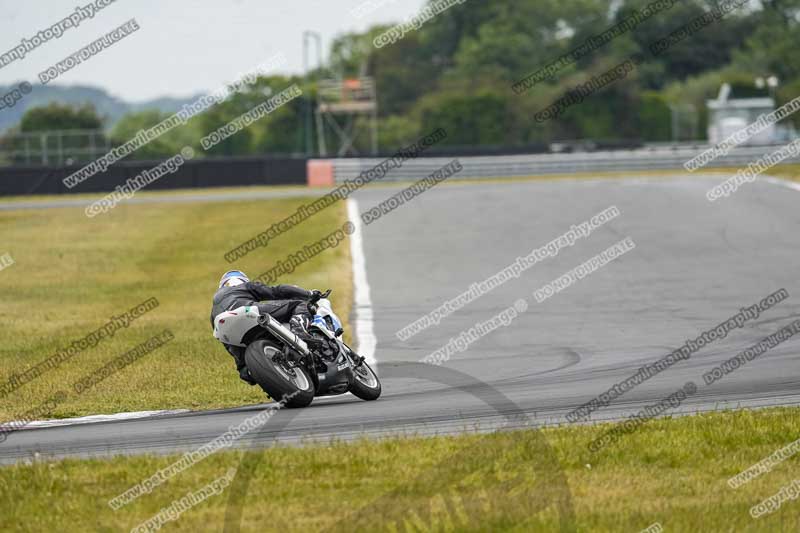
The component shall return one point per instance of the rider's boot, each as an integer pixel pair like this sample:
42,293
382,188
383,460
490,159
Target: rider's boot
299,325
241,366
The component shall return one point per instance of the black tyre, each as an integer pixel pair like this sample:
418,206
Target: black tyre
366,384
278,380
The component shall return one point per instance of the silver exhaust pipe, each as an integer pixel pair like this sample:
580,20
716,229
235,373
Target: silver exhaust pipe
283,333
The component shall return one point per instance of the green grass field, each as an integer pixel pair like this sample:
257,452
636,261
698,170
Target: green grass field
72,273
790,172
671,471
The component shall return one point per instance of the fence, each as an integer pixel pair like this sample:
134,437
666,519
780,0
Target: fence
57,147
210,172
651,158
239,171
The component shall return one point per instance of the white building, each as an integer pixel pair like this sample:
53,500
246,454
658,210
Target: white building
728,115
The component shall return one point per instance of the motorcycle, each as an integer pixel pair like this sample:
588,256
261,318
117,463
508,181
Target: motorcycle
285,367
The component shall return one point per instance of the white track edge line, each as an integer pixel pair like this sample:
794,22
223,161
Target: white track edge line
91,419
362,302
781,182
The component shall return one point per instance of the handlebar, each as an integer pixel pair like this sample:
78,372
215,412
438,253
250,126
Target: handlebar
312,302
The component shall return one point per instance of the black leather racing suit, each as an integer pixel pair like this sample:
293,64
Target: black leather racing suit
283,302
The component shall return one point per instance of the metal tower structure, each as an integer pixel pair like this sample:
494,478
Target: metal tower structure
349,108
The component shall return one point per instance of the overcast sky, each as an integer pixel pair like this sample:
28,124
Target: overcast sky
184,47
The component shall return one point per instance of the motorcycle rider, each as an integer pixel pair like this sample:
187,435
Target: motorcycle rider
286,303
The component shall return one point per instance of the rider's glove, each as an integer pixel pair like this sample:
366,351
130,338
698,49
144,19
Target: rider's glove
316,294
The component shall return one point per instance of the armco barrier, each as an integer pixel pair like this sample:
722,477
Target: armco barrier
655,158
210,172
239,171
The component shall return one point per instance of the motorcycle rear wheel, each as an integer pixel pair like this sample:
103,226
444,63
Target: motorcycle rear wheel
290,384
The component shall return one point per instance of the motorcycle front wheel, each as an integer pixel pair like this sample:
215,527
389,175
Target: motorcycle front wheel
366,384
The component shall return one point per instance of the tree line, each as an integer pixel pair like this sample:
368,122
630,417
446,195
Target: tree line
458,69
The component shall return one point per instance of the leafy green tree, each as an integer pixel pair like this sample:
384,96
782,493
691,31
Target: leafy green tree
518,38
398,131
771,48
403,72
164,146
279,132
654,117
61,147
456,72
469,120
709,48
57,116
282,132
350,54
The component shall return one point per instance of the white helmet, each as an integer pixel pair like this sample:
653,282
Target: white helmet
232,278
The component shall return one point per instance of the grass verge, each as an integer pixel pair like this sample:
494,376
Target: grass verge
789,172
671,471
72,273
299,190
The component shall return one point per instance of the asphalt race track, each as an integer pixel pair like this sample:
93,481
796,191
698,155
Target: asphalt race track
695,265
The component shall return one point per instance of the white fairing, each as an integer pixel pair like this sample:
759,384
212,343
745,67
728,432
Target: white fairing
324,309
230,327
